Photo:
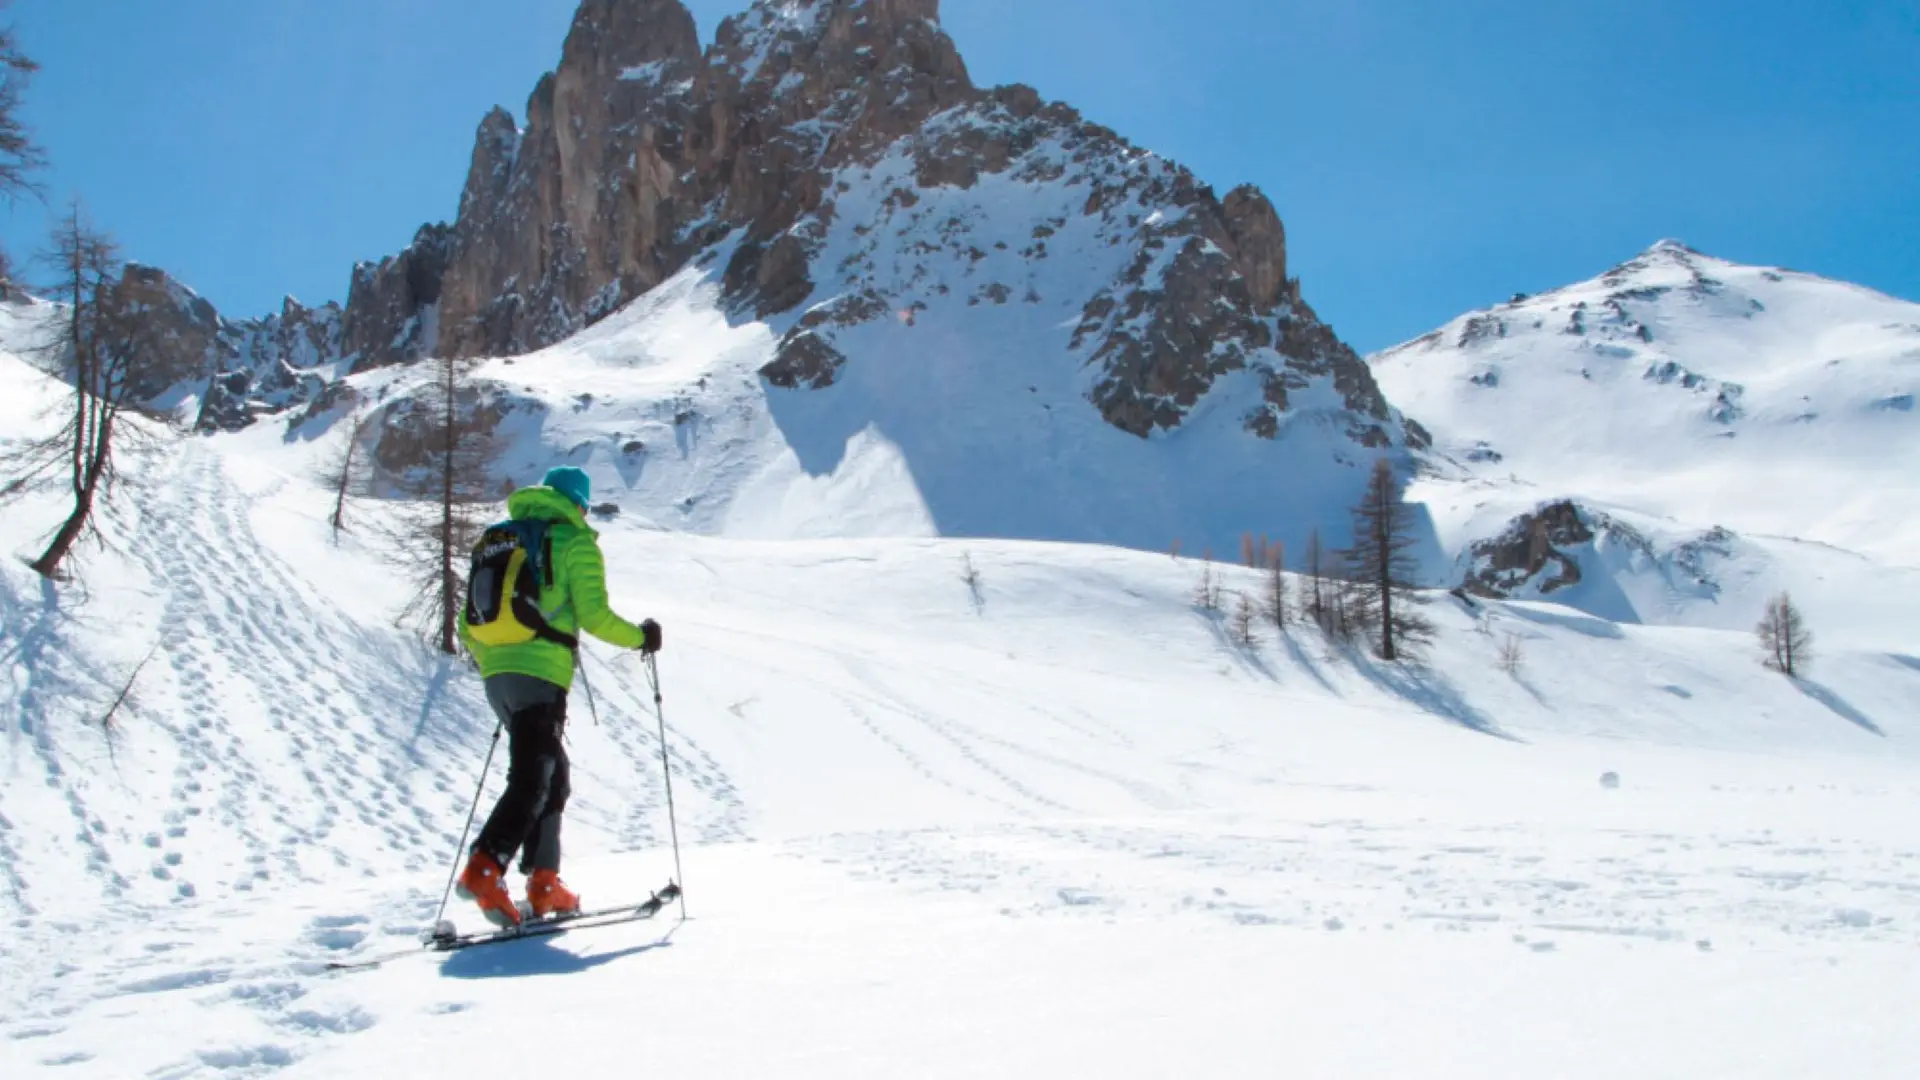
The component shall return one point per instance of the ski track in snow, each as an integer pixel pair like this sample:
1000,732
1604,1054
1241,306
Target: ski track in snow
296,699
1754,890
287,692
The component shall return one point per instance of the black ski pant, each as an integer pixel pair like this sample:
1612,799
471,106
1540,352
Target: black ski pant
527,817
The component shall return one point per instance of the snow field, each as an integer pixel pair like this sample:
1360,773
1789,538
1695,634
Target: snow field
1059,824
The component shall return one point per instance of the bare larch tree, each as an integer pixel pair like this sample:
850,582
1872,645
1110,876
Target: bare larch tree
20,156
1246,617
1513,655
1316,603
342,474
1275,602
1206,592
104,347
1381,567
1784,637
450,492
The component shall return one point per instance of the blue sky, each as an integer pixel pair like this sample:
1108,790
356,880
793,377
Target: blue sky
1427,157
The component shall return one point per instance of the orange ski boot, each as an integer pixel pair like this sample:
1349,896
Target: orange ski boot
482,882
549,897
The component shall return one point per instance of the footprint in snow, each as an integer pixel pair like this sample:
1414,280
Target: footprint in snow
338,932
311,1022
251,1058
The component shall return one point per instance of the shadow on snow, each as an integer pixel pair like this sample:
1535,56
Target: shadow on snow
1839,705
535,956
1429,691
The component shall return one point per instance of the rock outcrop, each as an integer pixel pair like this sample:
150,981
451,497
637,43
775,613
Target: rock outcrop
237,369
393,306
1564,543
1530,553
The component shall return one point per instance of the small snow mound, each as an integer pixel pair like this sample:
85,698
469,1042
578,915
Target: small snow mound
1610,781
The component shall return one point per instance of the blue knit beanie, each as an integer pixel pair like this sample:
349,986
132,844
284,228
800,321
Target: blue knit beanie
570,482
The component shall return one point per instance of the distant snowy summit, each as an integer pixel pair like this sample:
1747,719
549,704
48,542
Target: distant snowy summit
1731,342
1665,422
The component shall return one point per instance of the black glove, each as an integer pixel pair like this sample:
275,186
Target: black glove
652,630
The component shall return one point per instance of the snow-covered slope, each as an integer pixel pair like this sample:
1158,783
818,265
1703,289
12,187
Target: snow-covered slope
956,422
1053,824
1739,428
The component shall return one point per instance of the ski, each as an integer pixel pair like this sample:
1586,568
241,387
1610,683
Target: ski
580,920
443,940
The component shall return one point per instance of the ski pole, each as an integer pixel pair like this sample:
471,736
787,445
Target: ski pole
467,828
588,683
666,769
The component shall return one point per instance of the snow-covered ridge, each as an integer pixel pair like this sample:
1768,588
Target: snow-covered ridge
1702,396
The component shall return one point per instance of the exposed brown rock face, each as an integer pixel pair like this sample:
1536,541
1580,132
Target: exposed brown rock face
239,369
1164,347
402,436
1258,244
805,360
640,154
1538,550
565,221
183,332
1529,551
392,307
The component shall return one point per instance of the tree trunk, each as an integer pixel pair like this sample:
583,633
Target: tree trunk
71,529
1786,637
92,446
447,598
346,481
1383,538
49,562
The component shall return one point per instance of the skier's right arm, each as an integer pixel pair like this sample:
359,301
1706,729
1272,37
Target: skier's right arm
474,648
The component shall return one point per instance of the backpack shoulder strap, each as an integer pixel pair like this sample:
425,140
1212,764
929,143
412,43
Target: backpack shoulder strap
533,534
536,536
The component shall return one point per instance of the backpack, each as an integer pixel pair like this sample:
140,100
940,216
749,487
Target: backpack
511,564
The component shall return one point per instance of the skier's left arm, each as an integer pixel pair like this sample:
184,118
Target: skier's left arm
586,571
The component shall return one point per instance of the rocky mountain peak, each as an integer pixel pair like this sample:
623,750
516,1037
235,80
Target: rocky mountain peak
1666,264
834,163
771,26
843,43
801,87
615,40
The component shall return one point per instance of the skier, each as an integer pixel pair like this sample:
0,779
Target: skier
527,686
